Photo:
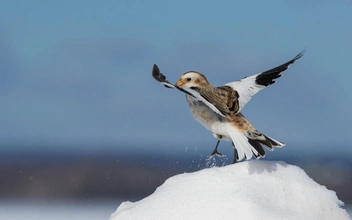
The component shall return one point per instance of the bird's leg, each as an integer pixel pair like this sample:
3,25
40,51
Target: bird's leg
235,156
215,151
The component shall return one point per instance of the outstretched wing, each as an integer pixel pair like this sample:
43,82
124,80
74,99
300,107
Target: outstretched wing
158,76
249,86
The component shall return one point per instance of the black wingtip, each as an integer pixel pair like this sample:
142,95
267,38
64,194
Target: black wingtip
155,68
299,55
267,78
157,75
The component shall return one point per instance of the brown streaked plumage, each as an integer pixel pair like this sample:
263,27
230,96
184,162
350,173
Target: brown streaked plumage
218,108
239,121
224,98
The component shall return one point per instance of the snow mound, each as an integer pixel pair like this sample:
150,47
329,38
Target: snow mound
247,190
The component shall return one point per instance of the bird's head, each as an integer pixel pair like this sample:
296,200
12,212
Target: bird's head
192,79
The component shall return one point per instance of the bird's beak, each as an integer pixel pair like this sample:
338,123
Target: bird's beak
179,83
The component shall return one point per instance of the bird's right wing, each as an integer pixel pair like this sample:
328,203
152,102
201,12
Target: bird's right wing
158,76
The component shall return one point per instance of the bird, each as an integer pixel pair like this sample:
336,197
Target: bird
218,109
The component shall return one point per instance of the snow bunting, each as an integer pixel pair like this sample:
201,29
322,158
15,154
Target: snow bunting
219,108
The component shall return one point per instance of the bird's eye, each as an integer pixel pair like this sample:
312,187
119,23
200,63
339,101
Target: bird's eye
188,79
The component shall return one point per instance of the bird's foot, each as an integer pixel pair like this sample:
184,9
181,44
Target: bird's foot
214,154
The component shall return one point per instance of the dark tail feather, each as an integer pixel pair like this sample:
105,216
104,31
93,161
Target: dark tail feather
256,145
274,142
268,143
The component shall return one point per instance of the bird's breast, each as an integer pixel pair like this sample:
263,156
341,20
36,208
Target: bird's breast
204,115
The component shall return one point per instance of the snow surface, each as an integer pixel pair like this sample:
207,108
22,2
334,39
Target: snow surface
247,190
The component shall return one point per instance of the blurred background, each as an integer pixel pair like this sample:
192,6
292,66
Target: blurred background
84,126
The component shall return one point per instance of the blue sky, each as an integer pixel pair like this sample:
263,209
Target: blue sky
80,71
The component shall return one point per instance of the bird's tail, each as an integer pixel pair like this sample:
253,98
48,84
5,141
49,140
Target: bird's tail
248,141
263,140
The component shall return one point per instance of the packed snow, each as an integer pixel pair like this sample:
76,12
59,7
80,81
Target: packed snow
247,190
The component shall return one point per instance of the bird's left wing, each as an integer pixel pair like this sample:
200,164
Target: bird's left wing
249,86
158,76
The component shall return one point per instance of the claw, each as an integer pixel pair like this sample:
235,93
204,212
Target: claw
214,154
